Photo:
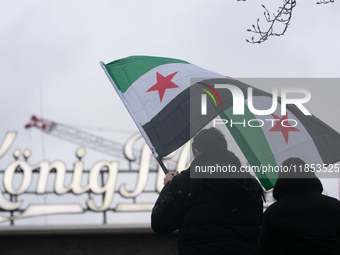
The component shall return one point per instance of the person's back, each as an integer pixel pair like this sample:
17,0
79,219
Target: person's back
302,221
223,216
214,216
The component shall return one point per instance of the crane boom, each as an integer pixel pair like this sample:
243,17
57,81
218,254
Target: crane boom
77,136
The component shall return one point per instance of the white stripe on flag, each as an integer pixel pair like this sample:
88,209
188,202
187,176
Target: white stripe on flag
146,105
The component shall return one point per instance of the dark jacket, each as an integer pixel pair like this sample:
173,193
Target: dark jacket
214,216
302,221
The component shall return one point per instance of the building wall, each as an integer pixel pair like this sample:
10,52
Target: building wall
142,241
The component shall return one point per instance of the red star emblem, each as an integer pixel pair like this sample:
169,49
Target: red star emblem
283,129
163,83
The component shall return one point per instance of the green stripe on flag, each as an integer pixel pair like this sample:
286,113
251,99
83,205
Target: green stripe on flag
126,71
253,144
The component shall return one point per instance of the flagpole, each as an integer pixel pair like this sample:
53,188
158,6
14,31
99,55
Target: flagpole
141,130
160,162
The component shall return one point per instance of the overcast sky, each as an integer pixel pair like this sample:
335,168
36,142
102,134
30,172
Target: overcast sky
50,53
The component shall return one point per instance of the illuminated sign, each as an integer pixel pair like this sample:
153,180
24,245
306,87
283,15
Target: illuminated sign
102,179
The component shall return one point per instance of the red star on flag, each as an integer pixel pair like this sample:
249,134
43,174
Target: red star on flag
283,129
163,83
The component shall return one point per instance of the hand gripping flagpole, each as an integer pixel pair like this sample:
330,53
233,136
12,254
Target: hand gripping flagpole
140,128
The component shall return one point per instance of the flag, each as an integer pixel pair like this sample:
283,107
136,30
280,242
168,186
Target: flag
155,91
164,97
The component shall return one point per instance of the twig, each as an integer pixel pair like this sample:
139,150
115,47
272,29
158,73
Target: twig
325,2
283,16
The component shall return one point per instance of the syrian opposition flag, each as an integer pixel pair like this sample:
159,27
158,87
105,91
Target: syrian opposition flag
156,93
164,97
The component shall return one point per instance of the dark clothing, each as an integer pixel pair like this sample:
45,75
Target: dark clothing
302,221
214,216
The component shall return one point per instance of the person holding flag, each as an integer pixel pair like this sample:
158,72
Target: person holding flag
214,216
166,99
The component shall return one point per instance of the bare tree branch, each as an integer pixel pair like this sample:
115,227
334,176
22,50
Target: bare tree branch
325,2
283,16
